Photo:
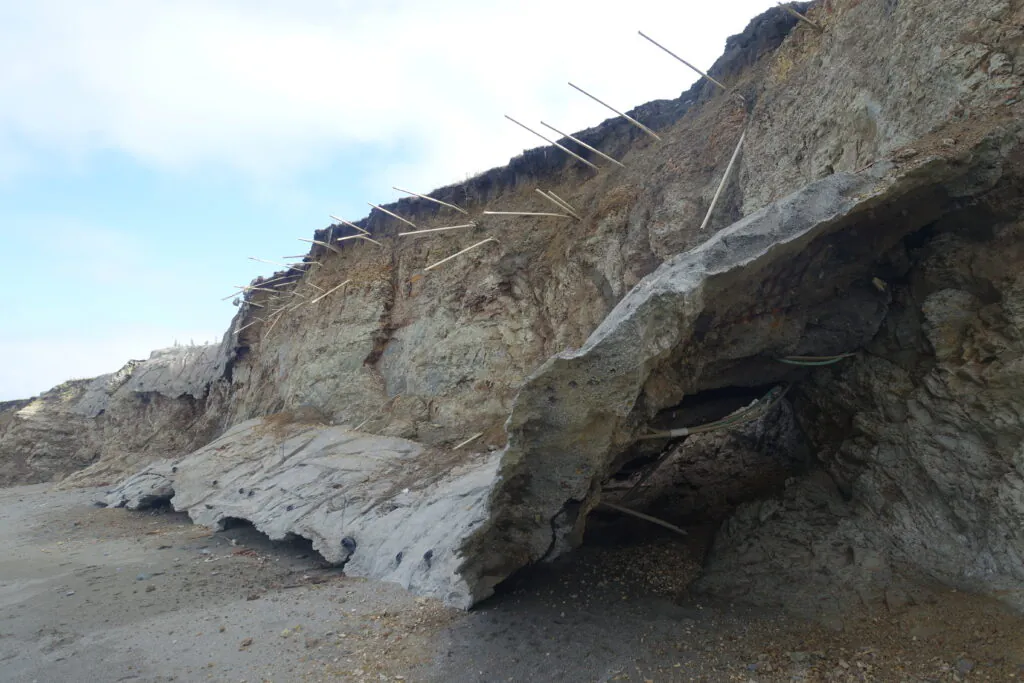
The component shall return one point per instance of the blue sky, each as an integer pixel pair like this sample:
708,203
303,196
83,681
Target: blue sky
148,147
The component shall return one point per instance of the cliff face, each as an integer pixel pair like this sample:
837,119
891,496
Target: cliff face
387,351
97,429
873,210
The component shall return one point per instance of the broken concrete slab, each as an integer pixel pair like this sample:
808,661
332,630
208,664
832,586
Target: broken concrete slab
386,508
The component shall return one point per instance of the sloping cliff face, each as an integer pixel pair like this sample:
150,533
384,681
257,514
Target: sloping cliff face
873,211
439,357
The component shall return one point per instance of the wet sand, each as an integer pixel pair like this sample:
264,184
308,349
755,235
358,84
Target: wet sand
92,594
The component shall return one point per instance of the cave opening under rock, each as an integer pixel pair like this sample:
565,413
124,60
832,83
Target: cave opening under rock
242,532
886,302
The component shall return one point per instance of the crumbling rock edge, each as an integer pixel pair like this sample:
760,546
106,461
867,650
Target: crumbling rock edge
455,525
714,316
383,507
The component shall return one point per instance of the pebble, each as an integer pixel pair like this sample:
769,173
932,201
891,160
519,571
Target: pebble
142,577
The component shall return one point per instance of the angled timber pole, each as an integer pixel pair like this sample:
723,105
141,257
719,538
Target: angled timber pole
801,17
557,203
393,215
701,73
351,225
279,265
322,244
564,203
460,253
623,115
360,237
431,199
526,213
413,233
330,291
725,177
552,142
583,144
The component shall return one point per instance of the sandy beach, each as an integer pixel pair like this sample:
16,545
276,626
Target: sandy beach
95,594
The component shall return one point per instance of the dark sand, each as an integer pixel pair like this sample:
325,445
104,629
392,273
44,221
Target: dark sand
96,595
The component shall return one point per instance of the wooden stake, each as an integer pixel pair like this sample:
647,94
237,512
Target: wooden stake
704,75
552,142
280,314
800,16
279,265
725,177
360,237
468,441
330,291
646,518
625,116
557,203
460,253
409,223
247,288
431,199
524,213
351,225
450,227
248,325
322,244
583,144
564,204
567,204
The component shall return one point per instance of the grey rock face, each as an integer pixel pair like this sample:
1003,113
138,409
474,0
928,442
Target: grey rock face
709,318
384,507
923,433
98,429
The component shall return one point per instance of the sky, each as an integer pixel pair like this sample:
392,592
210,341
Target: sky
149,147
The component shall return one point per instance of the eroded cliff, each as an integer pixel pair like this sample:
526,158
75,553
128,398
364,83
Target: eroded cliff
873,211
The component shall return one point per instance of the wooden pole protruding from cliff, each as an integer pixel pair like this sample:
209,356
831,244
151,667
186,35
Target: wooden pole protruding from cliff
585,145
423,232
552,142
329,292
558,203
625,116
322,244
725,177
460,253
646,518
526,213
393,215
468,441
293,266
431,199
360,237
801,17
701,73
351,225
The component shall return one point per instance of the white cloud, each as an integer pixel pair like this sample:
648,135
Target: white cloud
268,89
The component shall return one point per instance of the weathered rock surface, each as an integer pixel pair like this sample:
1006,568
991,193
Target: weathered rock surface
97,429
796,278
912,447
920,436
384,507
